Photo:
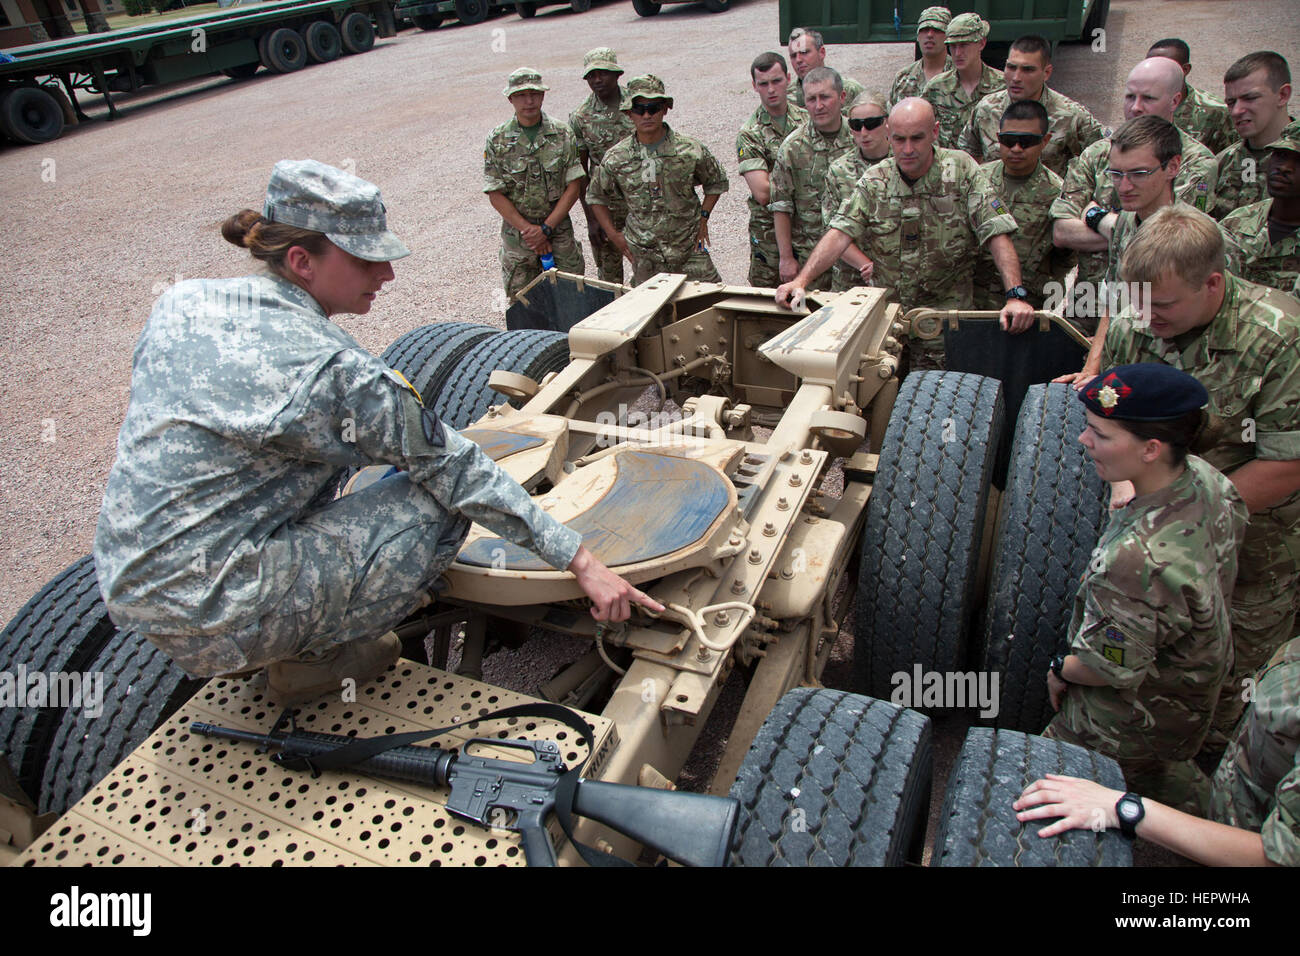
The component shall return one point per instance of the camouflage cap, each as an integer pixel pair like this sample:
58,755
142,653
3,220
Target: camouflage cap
966,28
1290,139
601,58
523,79
647,87
936,17
348,210
1145,392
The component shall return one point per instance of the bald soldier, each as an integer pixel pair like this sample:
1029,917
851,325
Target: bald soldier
1029,67
954,93
808,53
920,217
1202,114
930,30
1153,87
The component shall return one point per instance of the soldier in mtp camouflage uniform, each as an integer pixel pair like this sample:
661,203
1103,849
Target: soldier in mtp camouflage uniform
954,93
220,538
532,177
1149,644
799,174
1029,66
1027,188
930,30
1151,88
1265,232
870,132
597,125
1202,114
808,53
1255,791
1242,341
1257,90
772,121
655,172
920,217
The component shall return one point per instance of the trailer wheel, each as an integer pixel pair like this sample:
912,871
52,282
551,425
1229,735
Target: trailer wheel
243,71
30,115
526,10
834,779
1053,512
285,51
977,826
59,631
427,21
646,8
532,352
428,355
717,6
471,11
358,33
142,688
323,42
918,586
580,6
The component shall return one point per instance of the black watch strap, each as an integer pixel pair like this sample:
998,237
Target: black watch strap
704,213
1093,217
1058,666
1018,292
1130,811
547,230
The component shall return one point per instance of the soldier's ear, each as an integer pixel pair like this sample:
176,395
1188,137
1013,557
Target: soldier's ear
299,263
1175,164
1047,73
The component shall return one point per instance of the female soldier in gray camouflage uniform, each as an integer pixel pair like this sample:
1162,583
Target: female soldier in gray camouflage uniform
219,538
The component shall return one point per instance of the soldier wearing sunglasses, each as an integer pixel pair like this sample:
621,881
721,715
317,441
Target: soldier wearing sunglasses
1029,67
1027,187
867,126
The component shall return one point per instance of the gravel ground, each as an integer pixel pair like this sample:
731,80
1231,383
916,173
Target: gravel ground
103,218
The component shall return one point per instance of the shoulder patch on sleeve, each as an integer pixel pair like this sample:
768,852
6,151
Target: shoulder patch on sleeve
997,205
1112,645
397,378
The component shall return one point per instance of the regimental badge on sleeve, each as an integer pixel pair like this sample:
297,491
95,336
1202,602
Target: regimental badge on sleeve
1112,645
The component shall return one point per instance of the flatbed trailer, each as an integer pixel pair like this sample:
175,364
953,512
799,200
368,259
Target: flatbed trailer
281,36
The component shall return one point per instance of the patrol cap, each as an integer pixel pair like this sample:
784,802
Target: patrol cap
936,17
966,28
601,58
647,87
1147,392
1290,139
348,210
524,78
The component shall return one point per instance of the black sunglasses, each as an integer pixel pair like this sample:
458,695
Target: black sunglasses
1023,140
647,109
866,122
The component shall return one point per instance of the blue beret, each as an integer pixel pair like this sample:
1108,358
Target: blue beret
1148,392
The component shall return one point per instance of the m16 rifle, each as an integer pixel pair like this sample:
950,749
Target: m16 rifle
689,828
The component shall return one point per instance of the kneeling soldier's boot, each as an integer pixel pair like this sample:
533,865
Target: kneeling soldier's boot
299,680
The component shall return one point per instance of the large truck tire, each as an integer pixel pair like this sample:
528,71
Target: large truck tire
1052,514
285,51
323,42
834,779
646,8
978,827
427,356
356,32
918,585
471,11
141,689
60,631
29,114
532,352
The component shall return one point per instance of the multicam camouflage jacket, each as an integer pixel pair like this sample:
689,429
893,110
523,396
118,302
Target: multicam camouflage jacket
1257,785
952,105
756,147
841,177
1028,201
799,180
1206,117
1073,128
1151,618
1242,178
851,90
596,127
1261,260
658,184
924,238
911,81
246,402
531,173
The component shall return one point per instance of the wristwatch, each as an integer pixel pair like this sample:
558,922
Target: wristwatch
1093,217
1130,811
1057,666
1018,292
547,230
704,213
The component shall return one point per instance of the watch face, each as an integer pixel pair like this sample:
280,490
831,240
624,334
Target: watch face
1129,809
